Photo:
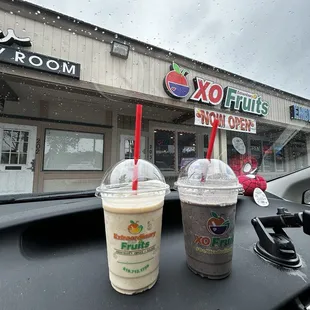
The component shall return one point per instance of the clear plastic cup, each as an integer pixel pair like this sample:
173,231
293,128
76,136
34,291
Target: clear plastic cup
208,191
133,221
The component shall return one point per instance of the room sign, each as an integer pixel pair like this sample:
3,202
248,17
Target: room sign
39,62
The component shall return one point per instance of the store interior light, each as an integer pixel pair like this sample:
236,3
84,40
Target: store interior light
120,50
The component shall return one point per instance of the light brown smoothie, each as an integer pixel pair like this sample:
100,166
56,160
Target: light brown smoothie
133,245
133,219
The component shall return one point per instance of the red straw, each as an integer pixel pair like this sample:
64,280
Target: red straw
136,155
212,138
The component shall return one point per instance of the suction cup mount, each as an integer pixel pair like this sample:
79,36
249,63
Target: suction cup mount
277,247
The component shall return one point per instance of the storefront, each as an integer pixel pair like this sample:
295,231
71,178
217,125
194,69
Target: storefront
67,102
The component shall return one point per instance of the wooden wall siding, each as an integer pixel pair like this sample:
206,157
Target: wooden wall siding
139,72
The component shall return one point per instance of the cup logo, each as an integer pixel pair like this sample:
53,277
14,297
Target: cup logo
217,225
134,228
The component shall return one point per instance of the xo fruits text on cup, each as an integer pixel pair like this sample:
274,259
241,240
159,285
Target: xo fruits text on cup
213,241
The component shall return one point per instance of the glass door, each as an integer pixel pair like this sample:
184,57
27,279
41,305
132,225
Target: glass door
187,150
165,150
205,145
127,147
17,149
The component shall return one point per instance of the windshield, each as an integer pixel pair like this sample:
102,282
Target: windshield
72,73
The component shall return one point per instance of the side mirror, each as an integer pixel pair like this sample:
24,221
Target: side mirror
306,222
306,197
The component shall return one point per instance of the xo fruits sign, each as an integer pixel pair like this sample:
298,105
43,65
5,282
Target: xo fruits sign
175,82
242,101
207,92
177,86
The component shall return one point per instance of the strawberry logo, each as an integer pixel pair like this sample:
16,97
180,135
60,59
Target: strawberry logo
175,82
217,225
134,228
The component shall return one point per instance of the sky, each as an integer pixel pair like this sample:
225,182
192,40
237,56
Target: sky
266,40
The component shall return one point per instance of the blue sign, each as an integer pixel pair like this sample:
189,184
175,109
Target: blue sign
300,113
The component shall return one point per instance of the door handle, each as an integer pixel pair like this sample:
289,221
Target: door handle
33,163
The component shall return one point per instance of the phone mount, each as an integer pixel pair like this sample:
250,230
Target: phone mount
276,246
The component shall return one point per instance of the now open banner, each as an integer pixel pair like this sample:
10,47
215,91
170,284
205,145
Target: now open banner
226,121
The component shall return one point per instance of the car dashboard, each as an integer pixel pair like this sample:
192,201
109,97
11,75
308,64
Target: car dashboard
53,256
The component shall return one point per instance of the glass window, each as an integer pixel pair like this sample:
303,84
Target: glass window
186,148
129,148
14,147
273,151
205,145
68,150
268,156
164,149
279,157
256,150
296,150
166,146
5,158
238,152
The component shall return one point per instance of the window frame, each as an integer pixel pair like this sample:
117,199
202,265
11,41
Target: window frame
262,140
175,149
177,146
75,170
10,152
176,128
